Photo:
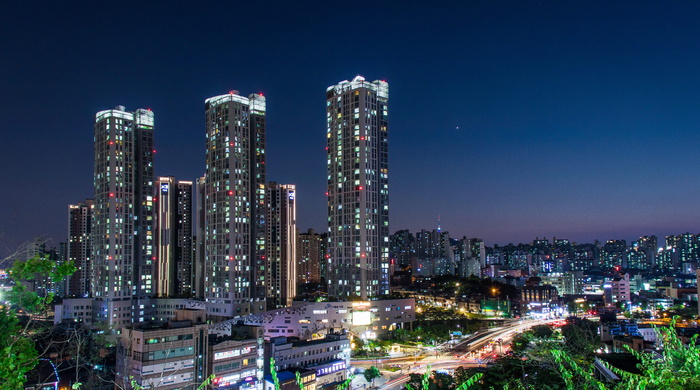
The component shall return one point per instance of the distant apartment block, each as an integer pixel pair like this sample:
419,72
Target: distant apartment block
281,247
173,238
79,248
310,256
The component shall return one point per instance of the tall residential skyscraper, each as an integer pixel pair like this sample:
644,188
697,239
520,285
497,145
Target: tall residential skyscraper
234,205
310,256
123,217
358,188
198,267
173,237
78,248
281,277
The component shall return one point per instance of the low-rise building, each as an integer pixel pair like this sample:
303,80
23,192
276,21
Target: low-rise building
237,361
328,357
288,380
168,357
311,320
181,354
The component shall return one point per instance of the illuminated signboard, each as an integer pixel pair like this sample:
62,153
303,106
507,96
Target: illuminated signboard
164,188
361,318
227,380
361,305
227,354
330,369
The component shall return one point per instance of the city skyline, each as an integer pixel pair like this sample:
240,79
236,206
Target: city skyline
510,120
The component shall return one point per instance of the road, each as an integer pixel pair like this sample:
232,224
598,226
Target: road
476,350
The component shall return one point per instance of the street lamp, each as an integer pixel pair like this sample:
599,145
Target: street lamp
494,290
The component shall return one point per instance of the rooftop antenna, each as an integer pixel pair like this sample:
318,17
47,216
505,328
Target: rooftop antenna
439,229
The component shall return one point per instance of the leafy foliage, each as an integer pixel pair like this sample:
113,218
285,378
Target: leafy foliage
541,363
18,354
371,373
438,381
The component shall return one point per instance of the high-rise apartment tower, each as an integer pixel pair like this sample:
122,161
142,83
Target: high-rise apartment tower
78,248
174,248
234,205
123,216
358,188
281,278
310,256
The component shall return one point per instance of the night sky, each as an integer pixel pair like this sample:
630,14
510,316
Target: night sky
510,120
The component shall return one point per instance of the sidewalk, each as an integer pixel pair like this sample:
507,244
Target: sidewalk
360,383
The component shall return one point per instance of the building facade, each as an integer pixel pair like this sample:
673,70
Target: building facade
79,247
173,238
124,214
358,188
310,255
234,205
329,357
163,358
311,320
281,245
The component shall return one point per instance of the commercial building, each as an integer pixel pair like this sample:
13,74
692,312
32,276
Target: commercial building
328,357
237,360
288,380
166,358
312,320
182,354
281,276
358,188
124,213
234,206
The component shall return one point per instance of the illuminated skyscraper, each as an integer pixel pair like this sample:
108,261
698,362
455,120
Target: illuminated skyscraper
173,238
234,205
78,248
310,256
358,188
281,278
123,216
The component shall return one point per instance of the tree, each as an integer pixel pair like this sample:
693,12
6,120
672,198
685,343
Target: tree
18,354
437,381
443,381
581,336
542,331
371,373
521,342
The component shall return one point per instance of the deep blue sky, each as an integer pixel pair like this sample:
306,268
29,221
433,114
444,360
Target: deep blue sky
509,119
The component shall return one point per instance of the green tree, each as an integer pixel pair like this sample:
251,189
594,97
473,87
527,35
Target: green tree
18,354
581,337
676,367
521,342
372,373
542,331
443,381
437,381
